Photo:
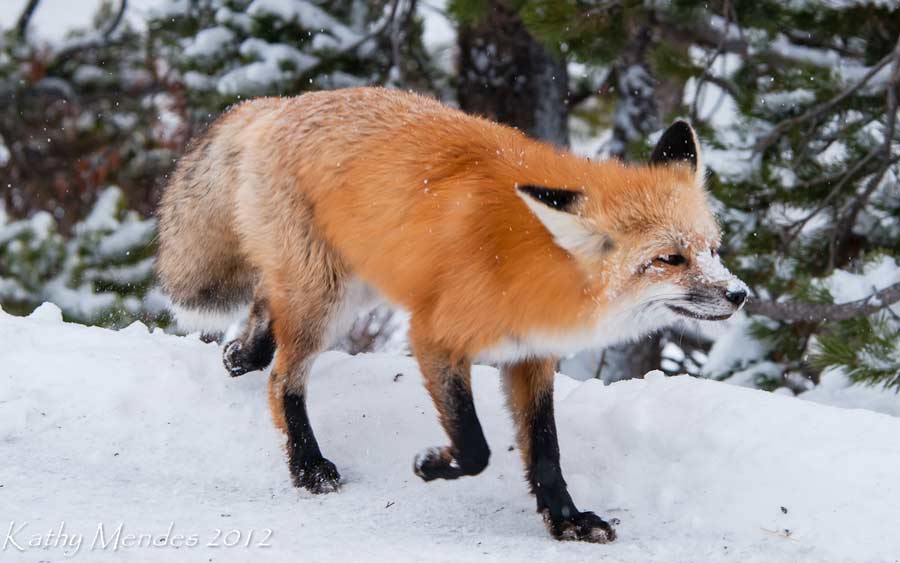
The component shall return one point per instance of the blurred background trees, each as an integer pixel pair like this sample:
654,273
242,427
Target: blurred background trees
795,103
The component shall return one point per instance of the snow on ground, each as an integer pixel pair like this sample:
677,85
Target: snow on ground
102,428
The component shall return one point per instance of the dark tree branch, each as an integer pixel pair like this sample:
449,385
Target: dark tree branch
795,311
722,83
807,39
395,39
117,19
103,39
794,229
707,70
25,18
823,108
707,35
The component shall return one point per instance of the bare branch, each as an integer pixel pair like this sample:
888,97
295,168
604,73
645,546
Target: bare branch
703,33
25,18
794,229
117,19
395,40
707,70
795,311
94,41
723,83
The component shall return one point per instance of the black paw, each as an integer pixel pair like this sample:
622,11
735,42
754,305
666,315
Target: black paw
436,463
583,526
446,463
239,360
318,477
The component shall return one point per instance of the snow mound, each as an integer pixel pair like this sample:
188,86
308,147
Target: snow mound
100,429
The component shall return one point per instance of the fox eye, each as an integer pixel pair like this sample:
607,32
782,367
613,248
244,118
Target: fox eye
672,259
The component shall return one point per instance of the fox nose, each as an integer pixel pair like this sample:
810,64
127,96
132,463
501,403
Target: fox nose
736,298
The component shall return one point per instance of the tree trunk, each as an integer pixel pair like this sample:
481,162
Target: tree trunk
637,110
506,75
631,360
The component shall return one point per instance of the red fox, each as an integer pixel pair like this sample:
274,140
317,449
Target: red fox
502,248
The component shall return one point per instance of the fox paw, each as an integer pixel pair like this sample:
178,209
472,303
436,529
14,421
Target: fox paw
446,463
233,359
583,526
436,463
239,360
318,477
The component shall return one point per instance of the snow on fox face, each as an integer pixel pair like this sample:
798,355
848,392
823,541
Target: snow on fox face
665,259
645,236
700,287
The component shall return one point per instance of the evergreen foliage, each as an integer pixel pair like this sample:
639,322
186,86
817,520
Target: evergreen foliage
101,274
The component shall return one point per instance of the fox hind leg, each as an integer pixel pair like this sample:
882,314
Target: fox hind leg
448,381
255,347
303,308
529,386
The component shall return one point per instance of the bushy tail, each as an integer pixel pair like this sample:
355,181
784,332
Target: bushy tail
200,265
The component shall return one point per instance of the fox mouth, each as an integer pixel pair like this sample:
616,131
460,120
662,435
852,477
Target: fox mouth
700,317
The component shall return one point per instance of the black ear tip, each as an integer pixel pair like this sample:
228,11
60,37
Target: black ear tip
681,127
559,199
677,143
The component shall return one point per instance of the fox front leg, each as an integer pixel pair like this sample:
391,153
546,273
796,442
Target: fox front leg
448,381
529,386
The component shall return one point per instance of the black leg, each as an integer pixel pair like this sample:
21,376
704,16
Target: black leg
545,477
529,386
468,453
309,469
448,382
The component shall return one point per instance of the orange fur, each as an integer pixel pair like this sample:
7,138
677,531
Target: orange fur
296,196
419,200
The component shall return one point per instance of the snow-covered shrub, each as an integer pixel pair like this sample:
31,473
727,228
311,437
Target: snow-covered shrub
224,51
102,274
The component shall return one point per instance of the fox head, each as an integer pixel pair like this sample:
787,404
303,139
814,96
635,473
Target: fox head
644,236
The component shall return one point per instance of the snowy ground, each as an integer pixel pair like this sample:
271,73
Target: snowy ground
101,428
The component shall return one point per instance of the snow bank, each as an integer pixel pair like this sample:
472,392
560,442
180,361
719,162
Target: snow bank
102,428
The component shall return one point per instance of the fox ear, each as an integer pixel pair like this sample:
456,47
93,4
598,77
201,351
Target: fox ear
557,210
677,144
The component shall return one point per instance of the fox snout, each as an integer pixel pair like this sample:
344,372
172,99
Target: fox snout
708,290
710,303
711,300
